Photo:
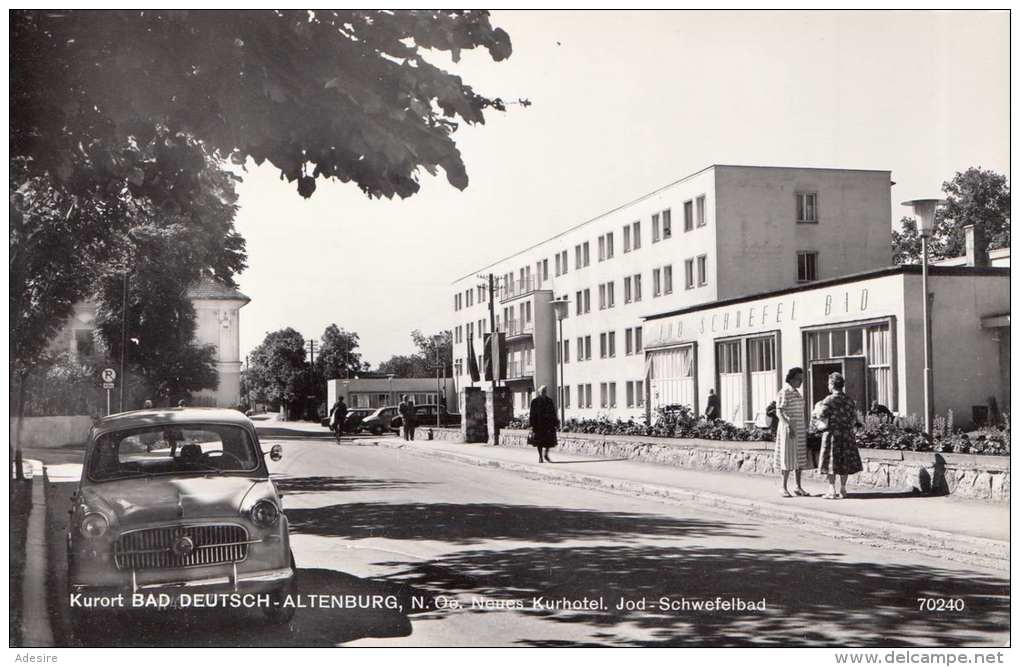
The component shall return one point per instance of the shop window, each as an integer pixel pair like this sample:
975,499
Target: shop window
729,357
761,354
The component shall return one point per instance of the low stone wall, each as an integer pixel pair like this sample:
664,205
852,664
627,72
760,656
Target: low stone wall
444,433
963,475
53,431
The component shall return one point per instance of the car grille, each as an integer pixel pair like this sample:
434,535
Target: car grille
153,548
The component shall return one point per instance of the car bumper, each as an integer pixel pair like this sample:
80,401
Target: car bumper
256,581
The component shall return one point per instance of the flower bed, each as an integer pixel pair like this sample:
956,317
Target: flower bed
902,435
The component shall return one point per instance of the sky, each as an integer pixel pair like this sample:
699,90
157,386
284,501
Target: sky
624,103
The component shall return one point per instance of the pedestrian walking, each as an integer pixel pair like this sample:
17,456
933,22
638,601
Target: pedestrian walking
337,417
837,416
712,411
791,434
408,415
543,422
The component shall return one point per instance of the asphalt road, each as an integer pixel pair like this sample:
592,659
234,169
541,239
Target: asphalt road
466,556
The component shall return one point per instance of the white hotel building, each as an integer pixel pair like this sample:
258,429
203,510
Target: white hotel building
725,232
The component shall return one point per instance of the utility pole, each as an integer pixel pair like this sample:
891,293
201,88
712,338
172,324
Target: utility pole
123,341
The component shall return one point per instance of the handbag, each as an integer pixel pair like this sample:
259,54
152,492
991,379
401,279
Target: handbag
531,437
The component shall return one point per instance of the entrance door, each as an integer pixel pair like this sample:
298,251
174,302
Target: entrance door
853,372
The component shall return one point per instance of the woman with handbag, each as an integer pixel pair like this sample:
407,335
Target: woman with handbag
836,418
543,422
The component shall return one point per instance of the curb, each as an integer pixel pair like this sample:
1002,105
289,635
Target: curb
37,631
977,551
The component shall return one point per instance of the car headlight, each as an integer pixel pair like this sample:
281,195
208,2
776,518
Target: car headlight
94,525
265,514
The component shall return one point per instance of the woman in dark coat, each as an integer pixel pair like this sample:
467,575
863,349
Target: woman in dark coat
836,418
543,422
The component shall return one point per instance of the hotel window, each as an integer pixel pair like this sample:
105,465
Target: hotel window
688,216
626,290
807,266
609,245
470,330
807,207
612,394
577,257
566,350
637,287
470,297
702,270
611,294
655,228
602,248
637,340
587,348
639,391
587,398
628,341
565,399
545,269
558,272
602,345
626,238
699,215
612,343
587,300
456,302
656,282
636,234
667,279
630,394
587,257
527,312
603,395
689,273
579,304
580,348
667,224
602,296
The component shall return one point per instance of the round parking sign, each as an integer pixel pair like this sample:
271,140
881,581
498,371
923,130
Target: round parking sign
109,375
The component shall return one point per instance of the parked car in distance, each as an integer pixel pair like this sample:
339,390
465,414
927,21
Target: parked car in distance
427,417
378,422
177,501
352,423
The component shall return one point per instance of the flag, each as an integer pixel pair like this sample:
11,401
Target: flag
472,359
487,356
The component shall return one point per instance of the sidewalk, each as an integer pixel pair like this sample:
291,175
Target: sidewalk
968,531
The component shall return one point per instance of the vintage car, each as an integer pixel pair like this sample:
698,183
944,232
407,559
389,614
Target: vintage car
178,501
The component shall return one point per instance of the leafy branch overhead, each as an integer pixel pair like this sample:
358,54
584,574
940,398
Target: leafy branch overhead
347,95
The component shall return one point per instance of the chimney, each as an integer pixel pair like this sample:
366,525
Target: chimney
977,246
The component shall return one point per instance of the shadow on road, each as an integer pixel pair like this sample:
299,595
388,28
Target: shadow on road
324,484
811,598
471,523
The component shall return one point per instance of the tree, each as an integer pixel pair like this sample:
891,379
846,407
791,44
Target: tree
337,356
347,95
422,364
427,347
406,366
974,197
277,370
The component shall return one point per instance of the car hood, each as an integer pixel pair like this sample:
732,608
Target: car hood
160,499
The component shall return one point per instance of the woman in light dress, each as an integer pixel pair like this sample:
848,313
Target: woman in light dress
791,433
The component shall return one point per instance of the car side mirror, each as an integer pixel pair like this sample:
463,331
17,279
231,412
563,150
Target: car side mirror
275,453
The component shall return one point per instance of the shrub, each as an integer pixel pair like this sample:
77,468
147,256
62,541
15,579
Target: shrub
904,434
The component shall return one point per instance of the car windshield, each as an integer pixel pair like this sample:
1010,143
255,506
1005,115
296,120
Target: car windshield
173,449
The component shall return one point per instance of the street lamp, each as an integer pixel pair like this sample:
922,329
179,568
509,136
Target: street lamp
561,308
924,210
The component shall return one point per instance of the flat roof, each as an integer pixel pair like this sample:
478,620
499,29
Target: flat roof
1001,271
655,192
